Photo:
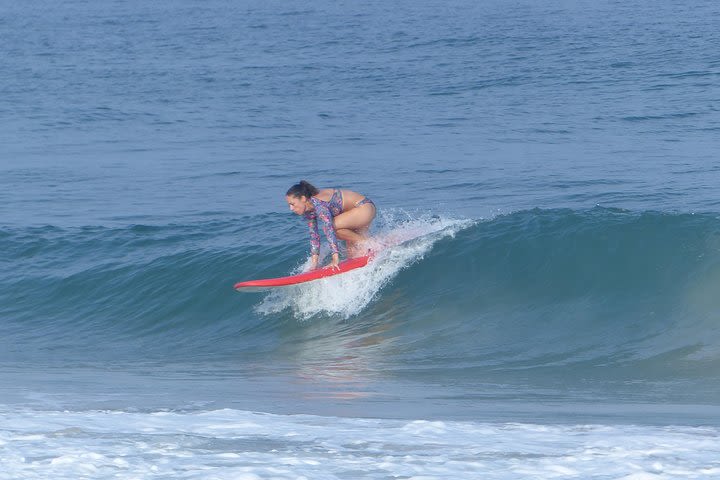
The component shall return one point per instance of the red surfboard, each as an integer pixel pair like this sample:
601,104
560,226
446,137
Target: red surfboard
268,283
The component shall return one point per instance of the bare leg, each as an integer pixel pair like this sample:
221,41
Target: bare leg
353,239
352,226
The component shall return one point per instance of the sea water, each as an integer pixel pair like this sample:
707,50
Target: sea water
543,301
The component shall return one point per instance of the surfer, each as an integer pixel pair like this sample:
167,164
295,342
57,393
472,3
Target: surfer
345,215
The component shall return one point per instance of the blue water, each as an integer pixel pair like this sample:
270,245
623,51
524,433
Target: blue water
545,171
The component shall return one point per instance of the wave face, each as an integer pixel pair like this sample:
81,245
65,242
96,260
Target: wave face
611,301
566,297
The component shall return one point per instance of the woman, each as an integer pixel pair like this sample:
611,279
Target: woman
346,215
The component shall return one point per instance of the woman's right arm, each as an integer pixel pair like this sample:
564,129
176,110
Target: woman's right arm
314,242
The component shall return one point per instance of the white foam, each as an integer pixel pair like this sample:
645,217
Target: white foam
118,445
399,243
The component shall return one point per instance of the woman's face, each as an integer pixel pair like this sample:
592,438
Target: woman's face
298,205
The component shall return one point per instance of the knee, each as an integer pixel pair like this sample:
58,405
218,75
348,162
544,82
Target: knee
342,233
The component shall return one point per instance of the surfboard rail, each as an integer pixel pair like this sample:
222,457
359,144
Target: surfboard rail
324,272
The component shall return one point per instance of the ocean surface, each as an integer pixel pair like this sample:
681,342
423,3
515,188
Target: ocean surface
545,300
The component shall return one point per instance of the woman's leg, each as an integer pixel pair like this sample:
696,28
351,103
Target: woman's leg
352,226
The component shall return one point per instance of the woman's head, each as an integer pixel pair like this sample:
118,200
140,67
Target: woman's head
298,196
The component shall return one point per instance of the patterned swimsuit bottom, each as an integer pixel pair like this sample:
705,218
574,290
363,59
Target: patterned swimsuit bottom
364,201
335,204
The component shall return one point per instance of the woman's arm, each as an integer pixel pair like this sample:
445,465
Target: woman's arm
323,213
314,242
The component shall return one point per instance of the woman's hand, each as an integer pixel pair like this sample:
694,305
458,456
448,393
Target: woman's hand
335,261
314,262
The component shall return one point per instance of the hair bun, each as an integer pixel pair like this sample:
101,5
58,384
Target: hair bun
302,189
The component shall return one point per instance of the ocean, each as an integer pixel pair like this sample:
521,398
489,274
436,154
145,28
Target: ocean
544,298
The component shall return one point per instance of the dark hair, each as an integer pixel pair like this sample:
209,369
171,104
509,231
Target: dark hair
302,189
